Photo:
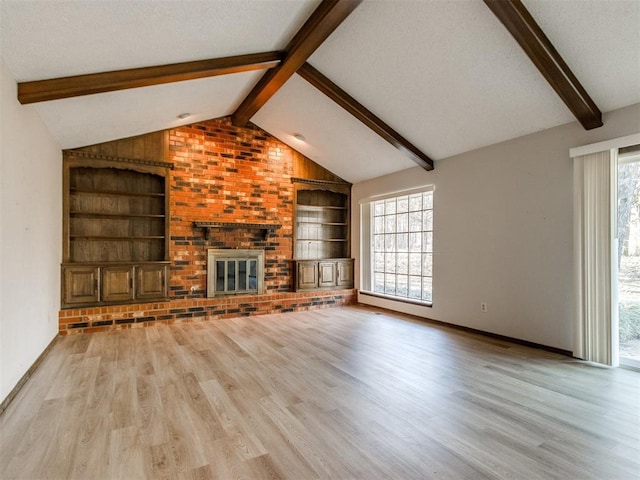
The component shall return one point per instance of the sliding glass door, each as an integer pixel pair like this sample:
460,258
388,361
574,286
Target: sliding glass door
629,255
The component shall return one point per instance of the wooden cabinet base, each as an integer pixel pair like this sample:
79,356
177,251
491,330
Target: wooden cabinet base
96,285
326,274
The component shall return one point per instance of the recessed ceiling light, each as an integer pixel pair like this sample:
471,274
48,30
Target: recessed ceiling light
299,137
182,116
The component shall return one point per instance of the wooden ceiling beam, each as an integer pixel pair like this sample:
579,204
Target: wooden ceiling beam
351,105
78,85
322,22
522,26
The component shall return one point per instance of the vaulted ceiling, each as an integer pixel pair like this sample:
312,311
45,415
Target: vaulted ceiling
446,76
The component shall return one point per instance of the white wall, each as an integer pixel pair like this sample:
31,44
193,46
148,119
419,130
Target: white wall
30,235
503,220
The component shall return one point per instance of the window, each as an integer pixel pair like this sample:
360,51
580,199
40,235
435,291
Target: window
399,246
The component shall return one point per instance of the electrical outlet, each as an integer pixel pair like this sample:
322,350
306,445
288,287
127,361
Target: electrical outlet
483,307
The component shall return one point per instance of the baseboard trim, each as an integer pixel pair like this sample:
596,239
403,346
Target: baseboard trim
13,393
497,336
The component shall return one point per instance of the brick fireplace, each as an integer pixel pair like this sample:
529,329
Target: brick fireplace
221,174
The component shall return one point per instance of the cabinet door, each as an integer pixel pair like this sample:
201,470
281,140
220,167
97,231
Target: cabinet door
80,284
151,282
327,274
306,275
117,284
344,273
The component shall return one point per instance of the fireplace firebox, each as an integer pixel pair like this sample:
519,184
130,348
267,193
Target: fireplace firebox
234,272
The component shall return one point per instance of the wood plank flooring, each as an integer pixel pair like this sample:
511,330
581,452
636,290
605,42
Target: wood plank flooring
342,393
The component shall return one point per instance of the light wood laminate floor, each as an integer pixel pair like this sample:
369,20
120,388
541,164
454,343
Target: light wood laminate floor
339,393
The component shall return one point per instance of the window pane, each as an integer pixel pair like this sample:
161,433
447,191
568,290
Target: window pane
220,275
415,287
390,262
402,285
390,206
242,275
415,263
402,263
390,284
402,224
415,221
415,242
378,243
428,220
378,262
427,199
390,242
378,225
378,208
253,274
402,240
389,223
427,264
378,282
403,204
427,290
415,202
231,275
427,242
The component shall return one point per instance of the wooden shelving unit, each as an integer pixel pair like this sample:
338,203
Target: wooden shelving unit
321,235
116,231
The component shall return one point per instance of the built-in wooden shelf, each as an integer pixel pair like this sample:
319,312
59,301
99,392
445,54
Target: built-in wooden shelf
118,238
267,228
114,192
113,215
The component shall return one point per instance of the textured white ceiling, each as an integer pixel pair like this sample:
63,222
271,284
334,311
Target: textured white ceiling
333,138
80,121
53,38
600,41
445,74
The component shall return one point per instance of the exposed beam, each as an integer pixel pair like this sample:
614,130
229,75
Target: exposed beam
322,22
74,86
351,105
517,19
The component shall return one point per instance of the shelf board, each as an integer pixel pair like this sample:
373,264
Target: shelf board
116,238
321,239
306,222
113,215
114,193
318,208
267,228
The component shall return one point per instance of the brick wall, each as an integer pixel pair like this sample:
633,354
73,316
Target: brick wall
226,174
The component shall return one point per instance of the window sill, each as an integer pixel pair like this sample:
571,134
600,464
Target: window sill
397,299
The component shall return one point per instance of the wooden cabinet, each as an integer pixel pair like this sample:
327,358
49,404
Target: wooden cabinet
327,274
116,229
306,275
344,273
324,274
85,285
152,282
322,235
80,284
117,284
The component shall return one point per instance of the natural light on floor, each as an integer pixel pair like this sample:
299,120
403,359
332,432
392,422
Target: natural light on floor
629,260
